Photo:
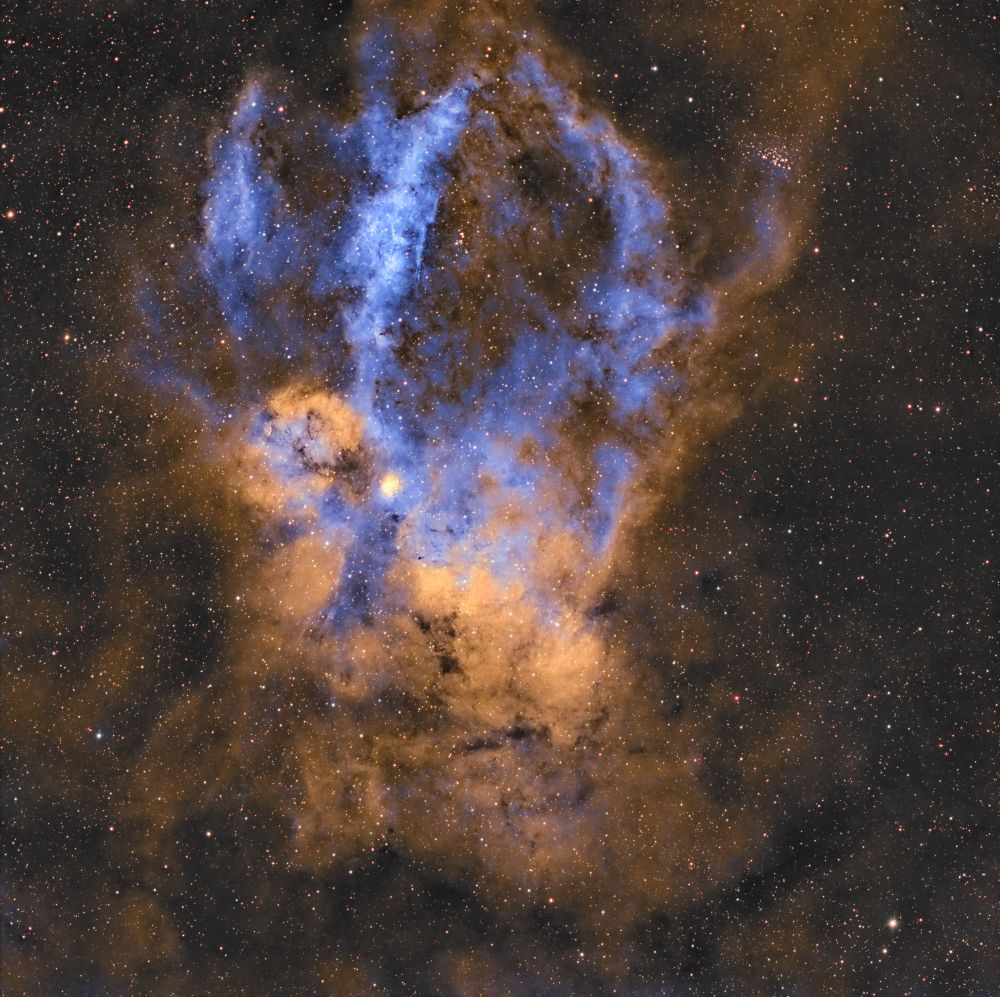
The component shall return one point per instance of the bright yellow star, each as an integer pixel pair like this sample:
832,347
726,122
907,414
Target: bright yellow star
391,485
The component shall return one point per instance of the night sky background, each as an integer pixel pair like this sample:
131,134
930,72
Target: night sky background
263,732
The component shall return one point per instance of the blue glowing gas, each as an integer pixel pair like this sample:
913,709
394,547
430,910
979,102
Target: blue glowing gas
447,326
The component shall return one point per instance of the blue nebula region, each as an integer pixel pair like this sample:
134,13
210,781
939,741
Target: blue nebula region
452,322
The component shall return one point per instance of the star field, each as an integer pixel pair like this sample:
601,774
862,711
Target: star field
499,498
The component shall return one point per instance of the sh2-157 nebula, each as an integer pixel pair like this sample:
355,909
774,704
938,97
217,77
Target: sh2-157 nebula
446,350
488,522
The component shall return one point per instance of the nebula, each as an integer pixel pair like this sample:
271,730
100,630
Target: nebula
446,345
446,332
500,500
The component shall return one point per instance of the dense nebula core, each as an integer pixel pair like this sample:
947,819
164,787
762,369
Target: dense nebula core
467,583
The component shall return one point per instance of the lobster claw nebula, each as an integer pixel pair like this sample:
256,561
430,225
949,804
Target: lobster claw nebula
499,498
442,345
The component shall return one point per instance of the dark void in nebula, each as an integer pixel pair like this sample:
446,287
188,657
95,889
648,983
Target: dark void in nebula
501,503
